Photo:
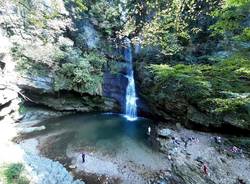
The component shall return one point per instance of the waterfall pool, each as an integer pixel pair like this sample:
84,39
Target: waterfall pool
114,146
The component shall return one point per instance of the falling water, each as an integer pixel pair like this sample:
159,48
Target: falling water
131,107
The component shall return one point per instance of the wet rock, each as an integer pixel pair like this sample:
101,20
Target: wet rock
223,160
86,35
115,87
200,159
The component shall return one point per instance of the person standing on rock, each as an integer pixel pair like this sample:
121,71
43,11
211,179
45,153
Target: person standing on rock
149,130
83,157
205,169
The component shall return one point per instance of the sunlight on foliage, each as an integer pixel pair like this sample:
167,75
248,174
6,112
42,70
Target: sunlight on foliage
231,20
210,81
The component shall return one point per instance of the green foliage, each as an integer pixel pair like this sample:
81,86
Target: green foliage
235,2
13,174
34,15
80,6
26,65
22,109
206,84
231,20
116,67
107,14
188,77
96,61
81,73
169,25
244,36
222,105
38,22
166,29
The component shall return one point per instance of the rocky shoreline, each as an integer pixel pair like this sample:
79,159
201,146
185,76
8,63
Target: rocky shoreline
199,157
188,157
39,169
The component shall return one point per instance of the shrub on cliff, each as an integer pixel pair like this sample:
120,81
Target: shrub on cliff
220,88
81,73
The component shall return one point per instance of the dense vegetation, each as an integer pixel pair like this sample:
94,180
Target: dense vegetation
81,73
196,52
208,69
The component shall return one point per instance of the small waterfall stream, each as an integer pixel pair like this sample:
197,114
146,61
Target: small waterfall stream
131,107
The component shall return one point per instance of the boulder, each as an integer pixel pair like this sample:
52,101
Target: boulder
165,132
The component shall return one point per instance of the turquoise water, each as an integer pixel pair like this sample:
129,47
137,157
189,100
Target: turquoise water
105,133
112,144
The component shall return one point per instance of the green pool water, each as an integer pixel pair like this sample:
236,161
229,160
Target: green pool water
108,134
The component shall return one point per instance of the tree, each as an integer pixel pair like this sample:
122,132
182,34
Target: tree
169,25
232,21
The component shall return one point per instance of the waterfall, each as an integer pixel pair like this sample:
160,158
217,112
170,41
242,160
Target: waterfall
131,107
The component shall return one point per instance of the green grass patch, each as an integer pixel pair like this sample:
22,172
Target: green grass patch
13,174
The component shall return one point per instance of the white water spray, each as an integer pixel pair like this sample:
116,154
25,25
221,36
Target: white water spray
131,107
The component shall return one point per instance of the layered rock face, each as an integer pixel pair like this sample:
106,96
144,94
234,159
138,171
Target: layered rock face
43,38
